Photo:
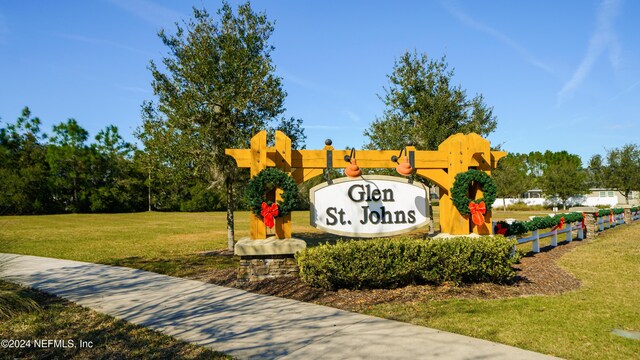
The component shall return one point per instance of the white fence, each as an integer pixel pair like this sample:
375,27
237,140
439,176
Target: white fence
568,230
603,222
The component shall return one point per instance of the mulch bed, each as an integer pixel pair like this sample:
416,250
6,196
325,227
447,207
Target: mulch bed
537,274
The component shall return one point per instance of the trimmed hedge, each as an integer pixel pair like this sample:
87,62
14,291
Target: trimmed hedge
391,263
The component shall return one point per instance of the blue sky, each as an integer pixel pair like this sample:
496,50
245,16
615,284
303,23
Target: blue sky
561,75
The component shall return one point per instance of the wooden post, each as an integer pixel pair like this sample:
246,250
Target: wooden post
283,161
536,242
259,162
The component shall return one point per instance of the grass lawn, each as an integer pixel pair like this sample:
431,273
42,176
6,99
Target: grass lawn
166,243
57,319
575,325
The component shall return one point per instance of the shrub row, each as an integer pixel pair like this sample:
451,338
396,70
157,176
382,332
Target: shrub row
539,223
390,263
521,206
607,212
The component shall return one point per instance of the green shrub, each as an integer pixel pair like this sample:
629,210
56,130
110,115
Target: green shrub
390,263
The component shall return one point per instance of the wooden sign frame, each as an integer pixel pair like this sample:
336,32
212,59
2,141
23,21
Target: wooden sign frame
459,153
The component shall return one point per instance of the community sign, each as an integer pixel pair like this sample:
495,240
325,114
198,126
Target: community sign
368,206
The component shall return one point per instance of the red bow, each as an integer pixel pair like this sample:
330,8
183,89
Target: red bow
268,213
501,230
611,216
477,212
584,219
560,225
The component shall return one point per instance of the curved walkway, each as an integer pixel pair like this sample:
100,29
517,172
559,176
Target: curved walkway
243,324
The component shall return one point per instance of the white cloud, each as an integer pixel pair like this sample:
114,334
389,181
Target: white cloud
604,38
626,91
97,41
150,12
627,125
353,116
473,23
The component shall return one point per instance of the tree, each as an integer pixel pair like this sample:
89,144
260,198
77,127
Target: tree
219,89
511,176
68,159
563,176
622,169
423,107
116,184
23,169
595,172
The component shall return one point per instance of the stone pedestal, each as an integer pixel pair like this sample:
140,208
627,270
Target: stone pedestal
267,259
591,221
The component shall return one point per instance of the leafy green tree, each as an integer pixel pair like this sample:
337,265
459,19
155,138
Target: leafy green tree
595,172
536,165
116,184
217,88
563,176
511,176
23,169
621,171
424,108
68,159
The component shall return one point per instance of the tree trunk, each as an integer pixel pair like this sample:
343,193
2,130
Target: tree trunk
230,208
149,190
504,204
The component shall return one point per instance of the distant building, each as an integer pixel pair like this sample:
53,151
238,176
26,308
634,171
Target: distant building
595,197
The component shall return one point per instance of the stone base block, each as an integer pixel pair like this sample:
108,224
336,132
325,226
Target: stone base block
255,268
267,259
269,246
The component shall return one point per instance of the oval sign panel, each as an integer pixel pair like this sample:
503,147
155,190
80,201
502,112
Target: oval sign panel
368,206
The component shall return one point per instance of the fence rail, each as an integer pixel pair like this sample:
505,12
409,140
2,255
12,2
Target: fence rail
603,222
568,230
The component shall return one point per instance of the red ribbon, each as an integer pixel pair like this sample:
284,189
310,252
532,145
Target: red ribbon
477,212
268,213
501,230
611,216
584,220
560,225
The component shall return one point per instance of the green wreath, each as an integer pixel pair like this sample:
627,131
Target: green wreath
461,186
266,180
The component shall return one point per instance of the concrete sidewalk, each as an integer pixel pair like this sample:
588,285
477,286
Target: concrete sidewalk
242,324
